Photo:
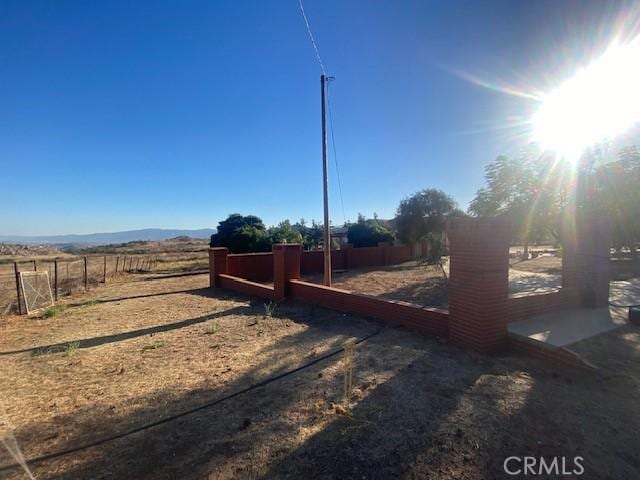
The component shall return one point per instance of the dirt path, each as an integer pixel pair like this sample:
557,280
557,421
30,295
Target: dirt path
420,408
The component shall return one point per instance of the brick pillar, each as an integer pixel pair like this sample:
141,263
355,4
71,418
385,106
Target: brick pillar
585,260
286,266
217,263
478,282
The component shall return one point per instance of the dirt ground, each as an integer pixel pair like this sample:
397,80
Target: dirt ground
127,354
415,282
423,284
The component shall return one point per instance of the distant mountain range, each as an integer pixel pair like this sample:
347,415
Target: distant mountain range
107,238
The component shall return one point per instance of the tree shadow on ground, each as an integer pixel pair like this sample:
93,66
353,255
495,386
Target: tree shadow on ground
569,413
421,409
534,283
434,293
119,337
157,452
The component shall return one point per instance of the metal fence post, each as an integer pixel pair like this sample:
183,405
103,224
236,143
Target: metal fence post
55,278
85,273
17,273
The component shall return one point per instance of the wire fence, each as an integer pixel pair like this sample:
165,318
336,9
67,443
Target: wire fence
68,275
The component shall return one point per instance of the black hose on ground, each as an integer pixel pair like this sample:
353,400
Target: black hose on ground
60,453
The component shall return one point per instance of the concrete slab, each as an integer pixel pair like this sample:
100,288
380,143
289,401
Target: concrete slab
565,327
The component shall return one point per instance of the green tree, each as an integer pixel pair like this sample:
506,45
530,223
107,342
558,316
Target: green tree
311,234
368,233
242,234
616,192
284,233
529,190
423,213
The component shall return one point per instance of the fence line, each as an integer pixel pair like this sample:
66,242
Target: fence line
67,276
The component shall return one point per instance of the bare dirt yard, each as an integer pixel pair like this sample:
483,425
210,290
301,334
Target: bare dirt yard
424,284
129,354
414,281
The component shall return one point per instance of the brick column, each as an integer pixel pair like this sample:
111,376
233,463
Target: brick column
286,266
478,282
585,260
217,263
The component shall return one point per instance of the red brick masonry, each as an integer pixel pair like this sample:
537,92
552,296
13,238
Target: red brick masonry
525,305
259,266
433,321
247,287
479,303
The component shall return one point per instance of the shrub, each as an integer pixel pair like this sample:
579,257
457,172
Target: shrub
368,233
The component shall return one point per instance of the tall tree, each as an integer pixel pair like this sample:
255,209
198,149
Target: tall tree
616,191
529,190
311,234
242,234
284,233
368,232
422,213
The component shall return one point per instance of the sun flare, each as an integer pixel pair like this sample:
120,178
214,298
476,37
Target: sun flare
598,103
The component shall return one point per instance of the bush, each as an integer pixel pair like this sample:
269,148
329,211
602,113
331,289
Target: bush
242,234
368,233
246,234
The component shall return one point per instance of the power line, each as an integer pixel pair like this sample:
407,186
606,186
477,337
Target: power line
313,42
335,155
333,140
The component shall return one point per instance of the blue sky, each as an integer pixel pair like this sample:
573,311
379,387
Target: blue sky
123,115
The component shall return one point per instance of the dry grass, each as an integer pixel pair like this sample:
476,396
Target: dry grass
418,407
171,257
412,281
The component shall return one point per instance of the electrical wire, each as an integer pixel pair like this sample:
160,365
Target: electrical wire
267,381
333,141
313,41
335,155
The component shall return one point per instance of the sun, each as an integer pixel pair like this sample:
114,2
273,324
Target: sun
598,103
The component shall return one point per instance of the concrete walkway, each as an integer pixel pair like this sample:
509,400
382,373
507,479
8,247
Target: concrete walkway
565,327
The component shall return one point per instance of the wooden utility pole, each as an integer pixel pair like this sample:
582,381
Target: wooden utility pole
325,185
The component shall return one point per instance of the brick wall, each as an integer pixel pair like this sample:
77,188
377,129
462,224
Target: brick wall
431,321
313,261
365,257
545,352
523,305
247,287
397,254
257,267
